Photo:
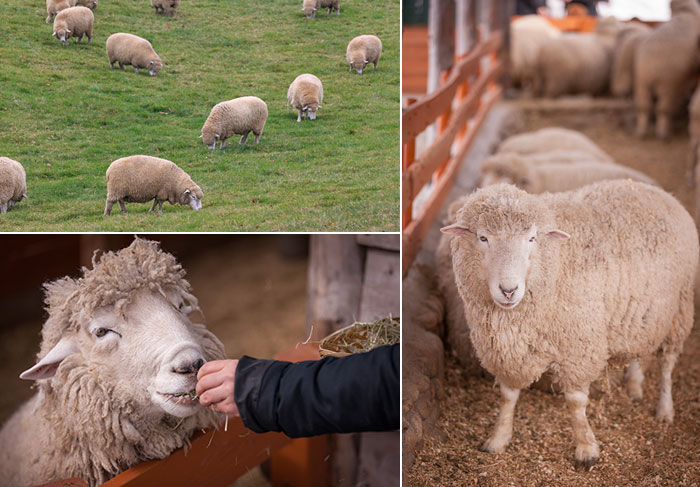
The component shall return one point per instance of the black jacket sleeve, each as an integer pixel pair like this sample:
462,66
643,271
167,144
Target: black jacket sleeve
333,395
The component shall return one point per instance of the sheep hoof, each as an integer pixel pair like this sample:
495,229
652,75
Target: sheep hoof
586,464
494,446
665,415
587,456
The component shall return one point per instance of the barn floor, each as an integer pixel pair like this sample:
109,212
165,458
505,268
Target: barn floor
635,449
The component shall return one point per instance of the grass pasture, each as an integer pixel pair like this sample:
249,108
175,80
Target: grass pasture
66,116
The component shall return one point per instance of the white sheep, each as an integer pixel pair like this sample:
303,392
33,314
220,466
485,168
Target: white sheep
166,7
91,4
238,116
664,63
309,7
537,177
622,70
73,22
13,183
576,63
552,138
138,179
527,34
305,94
129,49
363,50
55,6
114,373
566,282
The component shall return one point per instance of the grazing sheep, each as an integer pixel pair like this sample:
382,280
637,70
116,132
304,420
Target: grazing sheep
13,183
137,179
576,63
538,177
114,372
363,50
552,138
91,4
309,7
166,7
665,66
622,71
238,116
306,95
133,50
55,6
527,34
567,282
73,22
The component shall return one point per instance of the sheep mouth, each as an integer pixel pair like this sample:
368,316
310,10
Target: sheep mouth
507,305
181,398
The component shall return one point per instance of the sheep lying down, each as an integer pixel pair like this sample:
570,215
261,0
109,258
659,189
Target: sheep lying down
118,359
565,283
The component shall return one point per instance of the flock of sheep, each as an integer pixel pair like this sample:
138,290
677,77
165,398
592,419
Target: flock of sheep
659,67
142,178
540,274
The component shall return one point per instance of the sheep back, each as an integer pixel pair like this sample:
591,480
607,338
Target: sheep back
552,138
362,50
55,6
78,20
238,116
132,50
527,34
166,7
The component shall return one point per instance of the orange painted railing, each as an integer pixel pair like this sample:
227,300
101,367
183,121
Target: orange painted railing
459,106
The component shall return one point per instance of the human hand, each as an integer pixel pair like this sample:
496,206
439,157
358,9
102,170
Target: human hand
215,386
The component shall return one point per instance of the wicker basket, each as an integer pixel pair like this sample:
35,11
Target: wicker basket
360,337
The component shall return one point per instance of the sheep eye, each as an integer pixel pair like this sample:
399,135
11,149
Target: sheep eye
483,239
532,239
100,332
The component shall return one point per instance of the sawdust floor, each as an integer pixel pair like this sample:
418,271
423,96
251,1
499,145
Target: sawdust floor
635,448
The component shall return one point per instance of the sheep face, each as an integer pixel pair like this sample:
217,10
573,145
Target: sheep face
62,35
209,138
192,199
154,67
91,5
310,12
310,110
150,342
358,64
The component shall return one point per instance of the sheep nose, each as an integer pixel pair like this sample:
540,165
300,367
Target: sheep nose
190,368
508,293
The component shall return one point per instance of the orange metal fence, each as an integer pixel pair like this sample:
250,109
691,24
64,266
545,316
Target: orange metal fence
459,106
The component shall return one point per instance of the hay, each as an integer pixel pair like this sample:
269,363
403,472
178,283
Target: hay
361,337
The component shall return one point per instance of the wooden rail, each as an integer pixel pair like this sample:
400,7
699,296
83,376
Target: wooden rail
459,106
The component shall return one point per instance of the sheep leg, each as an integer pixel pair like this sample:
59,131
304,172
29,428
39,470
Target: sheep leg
80,38
375,63
122,206
121,66
108,207
301,112
223,143
337,10
153,206
136,69
160,207
330,10
3,208
643,103
664,409
48,19
257,137
635,377
587,450
244,138
503,431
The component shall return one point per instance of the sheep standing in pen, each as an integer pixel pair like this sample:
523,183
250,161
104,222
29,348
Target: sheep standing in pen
13,183
553,283
622,71
138,179
73,22
527,34
128,49
166,7
55,6
309,7
238,116
114,374
665,68
550,139
538,177
576,63
363,50
305,94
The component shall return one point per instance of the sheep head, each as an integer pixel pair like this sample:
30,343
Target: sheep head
192,197
62,35
506,242
155,67
124,326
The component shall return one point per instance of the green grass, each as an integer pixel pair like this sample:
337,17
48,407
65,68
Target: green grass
66,116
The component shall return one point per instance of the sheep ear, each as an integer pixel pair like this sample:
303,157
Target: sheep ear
200,136
558,234
187,191
455,229
54,34
216,136
68,31
47,366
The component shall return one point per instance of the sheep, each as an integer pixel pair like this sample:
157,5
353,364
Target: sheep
665,63
552,138
363,50
553,283
73,22
527,34
309,7
166,7
55,6
139,178
13,183
238,116
306,95
538,177
91,4
576,63
114,372
622,70
133,50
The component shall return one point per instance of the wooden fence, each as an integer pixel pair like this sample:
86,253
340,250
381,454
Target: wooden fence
459,107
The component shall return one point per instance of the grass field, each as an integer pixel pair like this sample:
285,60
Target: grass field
66,116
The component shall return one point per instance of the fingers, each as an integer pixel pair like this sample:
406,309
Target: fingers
222,393
209,381
210,367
